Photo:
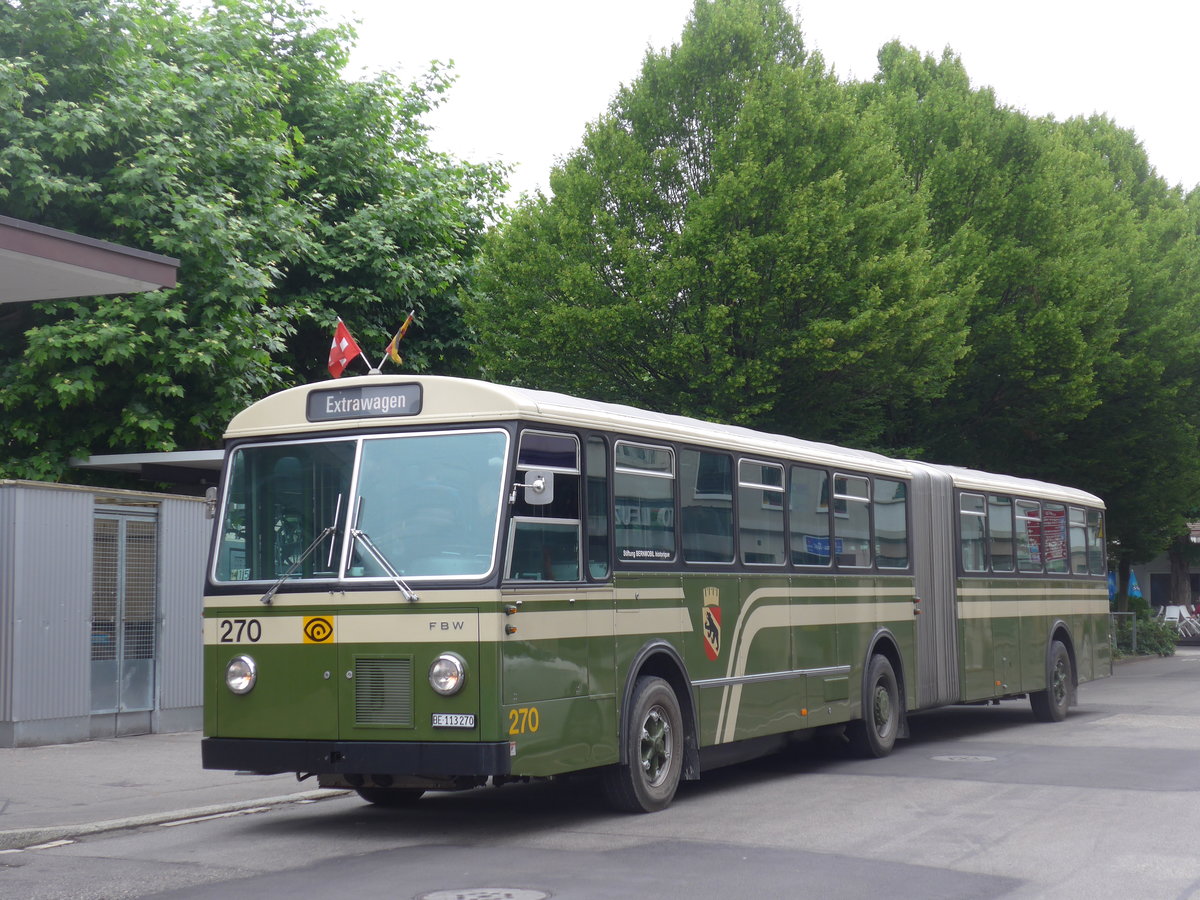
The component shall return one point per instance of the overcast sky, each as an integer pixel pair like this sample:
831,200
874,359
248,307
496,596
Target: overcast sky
532,73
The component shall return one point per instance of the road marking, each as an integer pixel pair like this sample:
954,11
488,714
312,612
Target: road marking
49,845
224,815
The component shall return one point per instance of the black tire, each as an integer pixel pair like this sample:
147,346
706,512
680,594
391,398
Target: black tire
390,797
874,735
1051,704
654,743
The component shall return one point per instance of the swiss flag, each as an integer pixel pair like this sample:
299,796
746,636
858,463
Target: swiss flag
342,351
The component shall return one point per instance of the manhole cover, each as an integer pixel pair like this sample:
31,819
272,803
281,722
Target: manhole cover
486,894
965,758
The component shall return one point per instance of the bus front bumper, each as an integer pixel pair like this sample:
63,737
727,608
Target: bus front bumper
272,757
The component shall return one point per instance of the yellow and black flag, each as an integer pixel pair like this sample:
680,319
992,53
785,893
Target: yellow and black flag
393,349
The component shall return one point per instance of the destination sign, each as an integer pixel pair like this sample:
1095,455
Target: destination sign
364,401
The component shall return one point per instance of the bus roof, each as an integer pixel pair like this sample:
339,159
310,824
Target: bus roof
445,401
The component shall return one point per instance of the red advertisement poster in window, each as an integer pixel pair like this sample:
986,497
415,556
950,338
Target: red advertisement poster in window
1054,533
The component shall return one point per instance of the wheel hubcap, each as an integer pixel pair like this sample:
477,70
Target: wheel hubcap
883,709
657,746
1059,685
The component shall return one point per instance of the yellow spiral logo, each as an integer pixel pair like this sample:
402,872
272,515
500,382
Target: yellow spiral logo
318,630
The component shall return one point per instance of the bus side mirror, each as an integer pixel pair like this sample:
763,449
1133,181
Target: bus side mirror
539,488
210,503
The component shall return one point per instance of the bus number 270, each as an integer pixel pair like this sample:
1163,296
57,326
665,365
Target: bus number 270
238,631
523,719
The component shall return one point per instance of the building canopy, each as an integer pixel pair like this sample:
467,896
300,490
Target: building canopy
40,263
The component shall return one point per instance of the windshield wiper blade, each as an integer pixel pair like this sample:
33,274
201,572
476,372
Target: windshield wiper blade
409,594
359,535
328,530
266,598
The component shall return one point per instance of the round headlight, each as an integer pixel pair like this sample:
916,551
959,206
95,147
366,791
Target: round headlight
240,674
447,674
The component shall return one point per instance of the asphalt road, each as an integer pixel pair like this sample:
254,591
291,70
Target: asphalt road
981,802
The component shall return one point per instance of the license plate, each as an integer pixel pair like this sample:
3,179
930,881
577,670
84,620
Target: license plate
453,720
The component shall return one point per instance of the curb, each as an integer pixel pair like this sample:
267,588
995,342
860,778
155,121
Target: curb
26,838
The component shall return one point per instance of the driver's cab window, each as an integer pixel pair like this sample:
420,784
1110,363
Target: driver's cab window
544,536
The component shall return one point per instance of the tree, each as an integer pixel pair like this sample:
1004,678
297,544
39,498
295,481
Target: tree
733,240
1083,334
904,264
1034,222
227,138
1142,442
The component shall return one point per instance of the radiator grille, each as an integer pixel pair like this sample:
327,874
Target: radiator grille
383,692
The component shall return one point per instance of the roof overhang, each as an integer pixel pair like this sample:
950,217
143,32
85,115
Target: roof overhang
40,263
180,467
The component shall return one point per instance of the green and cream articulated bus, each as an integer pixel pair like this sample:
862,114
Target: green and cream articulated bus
426,583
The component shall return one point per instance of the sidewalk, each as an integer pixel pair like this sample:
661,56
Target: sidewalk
67,790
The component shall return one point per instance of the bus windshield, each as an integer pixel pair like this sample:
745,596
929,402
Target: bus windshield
429,503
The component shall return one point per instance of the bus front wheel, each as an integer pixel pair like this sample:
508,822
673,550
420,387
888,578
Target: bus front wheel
875,733
654,743
1051,704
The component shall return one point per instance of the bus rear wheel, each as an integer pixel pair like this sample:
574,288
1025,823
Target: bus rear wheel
390,797
874,735
654,742
1051,704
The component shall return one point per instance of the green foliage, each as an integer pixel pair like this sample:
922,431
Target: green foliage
1037,225
1142,440
1083,348
903,264
734,241
1154,637
226,138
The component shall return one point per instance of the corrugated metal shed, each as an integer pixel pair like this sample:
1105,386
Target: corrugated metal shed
48,630
184,535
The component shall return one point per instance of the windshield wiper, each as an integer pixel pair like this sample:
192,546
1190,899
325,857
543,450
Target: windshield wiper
328,530
359,535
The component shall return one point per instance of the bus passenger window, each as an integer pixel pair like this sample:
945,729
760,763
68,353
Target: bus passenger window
597,508
1000,533
1095,529
891,524
972,532
808,513
1054,537
706,506
852,520
1029,536
644,490
760,512
544,550
1078,537
544,537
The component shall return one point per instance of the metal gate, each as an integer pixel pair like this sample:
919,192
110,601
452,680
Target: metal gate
124,609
